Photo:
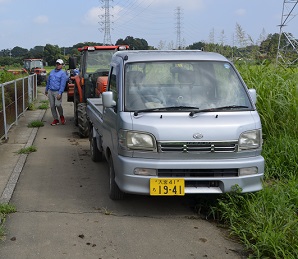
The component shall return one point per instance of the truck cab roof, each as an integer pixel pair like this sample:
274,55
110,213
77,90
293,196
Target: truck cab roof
171,55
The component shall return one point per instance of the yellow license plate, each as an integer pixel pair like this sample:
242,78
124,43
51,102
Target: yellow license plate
166,186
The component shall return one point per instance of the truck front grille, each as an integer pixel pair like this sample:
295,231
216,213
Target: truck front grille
198,146
198,173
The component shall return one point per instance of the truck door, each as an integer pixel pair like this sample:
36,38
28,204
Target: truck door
110,116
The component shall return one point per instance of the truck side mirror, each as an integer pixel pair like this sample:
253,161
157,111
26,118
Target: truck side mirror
108,100
253,95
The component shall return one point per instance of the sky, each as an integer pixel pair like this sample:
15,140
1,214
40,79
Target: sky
31,23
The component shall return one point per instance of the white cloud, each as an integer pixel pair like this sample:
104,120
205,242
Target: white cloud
41,19
91,17
240,12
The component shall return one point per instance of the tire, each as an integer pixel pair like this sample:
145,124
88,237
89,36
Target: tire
96,154
75,105
82,120
75,113
115,193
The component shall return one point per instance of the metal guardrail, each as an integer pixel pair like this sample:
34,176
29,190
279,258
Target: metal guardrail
15,97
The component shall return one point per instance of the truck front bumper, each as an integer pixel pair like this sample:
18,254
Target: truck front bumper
198,182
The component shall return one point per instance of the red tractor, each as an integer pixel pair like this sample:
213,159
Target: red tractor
35,66
90,81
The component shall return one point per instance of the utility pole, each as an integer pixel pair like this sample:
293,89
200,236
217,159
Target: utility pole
106,23
178,15
287,44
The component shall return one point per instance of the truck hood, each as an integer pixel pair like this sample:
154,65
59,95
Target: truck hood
209,126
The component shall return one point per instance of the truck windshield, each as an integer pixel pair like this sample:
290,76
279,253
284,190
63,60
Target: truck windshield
98,60
29,64
195,84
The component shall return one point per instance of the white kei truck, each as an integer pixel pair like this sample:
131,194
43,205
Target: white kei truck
174,123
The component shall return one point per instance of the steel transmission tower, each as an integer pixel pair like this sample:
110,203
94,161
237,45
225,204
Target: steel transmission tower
178,28
106,23
287,53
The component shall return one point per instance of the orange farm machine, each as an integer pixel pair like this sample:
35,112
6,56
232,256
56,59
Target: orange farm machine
90,81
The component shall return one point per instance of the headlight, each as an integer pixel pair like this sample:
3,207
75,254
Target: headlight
248,171
250,140
136,140
145,171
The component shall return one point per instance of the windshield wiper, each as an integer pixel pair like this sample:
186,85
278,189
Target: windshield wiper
192,113
170,108
146,110
230,107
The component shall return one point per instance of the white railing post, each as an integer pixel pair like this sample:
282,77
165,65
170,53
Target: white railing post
16,101
23,86
4,112
30,91
35,86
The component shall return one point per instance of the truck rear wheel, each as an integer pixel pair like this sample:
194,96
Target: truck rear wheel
96,154
75,105
115,192
82,120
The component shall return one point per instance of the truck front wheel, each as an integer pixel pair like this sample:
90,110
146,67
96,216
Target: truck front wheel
115,192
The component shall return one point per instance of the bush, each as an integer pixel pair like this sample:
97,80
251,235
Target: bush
6,76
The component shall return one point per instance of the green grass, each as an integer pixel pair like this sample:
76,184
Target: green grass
43,106
27,150
267,221
35,124
4,210
31,106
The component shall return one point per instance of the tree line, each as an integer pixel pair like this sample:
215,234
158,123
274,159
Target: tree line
265,50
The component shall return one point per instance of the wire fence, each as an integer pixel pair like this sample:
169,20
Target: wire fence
15,97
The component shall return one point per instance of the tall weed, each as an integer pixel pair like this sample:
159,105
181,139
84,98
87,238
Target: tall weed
281,157
277,91
6,76
266,221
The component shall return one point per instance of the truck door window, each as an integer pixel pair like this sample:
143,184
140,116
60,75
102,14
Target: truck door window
113,85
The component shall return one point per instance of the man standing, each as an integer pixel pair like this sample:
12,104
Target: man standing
54,89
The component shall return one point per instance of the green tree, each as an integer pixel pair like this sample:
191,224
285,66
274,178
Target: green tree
52,53
134,43
87,43
36,52
19,52
197,45
5,53
10,61
269,46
